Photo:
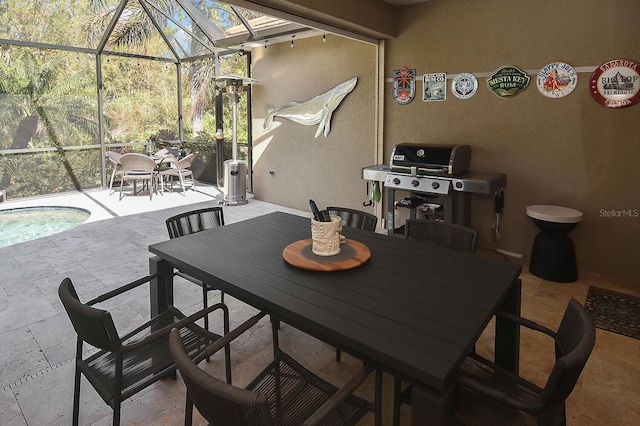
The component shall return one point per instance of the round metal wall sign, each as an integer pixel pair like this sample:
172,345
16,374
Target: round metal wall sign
616,83
557,80
508,81
464,85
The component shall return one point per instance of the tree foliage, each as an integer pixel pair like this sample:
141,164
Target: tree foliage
45,107
48,97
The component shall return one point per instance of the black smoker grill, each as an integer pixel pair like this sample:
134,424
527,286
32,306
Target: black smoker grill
436,176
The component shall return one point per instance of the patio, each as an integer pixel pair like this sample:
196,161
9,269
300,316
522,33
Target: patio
37,341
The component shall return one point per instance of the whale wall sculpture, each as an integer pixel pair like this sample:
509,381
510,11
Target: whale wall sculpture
314,111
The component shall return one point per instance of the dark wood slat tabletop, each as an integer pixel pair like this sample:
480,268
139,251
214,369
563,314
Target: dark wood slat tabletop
412,309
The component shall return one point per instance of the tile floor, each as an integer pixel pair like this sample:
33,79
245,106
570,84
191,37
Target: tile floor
37,340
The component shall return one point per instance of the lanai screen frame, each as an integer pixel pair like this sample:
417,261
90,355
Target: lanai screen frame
209,37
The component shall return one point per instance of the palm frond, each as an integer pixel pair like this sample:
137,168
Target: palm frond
94,25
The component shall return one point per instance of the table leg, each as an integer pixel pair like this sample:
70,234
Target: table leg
161,293
507,345
430,407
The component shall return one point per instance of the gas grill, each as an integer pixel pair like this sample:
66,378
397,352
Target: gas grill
437,178
430,160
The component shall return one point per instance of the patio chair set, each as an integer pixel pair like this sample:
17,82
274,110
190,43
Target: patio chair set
151,171
285,392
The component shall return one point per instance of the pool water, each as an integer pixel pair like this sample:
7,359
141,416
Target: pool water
29,223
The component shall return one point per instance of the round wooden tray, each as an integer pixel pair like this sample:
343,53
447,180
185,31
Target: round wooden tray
352,254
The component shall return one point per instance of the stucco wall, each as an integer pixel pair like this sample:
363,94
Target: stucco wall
325,169
571,151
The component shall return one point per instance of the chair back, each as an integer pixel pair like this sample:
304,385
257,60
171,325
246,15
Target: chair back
194,221
137,163
221,404
177,153
575,339
113,157
355,218
92,325
441,234
186,162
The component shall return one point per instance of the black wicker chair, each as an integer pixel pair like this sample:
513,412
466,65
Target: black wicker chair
441,234
194,221
355,218
191,222
489,395
285,393
124,365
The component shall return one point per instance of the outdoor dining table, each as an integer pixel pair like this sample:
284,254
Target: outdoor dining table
412,310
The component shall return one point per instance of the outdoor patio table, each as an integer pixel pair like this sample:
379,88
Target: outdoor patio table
413,310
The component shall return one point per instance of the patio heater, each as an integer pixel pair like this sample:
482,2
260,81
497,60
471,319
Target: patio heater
235,171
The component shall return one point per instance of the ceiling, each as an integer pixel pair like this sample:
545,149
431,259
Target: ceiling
403,2
189,28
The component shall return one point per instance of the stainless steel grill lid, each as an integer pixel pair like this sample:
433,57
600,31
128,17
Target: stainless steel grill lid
438,160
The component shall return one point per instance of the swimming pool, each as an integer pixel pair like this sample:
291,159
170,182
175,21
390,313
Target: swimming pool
29,223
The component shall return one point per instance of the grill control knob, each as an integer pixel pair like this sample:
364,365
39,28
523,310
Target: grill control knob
415,182
435,185
396,181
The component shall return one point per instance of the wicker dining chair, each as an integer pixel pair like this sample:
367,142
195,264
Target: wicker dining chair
284,393
191,222
442,234
181,170
138,167
114,160
489,395
355,218
124,365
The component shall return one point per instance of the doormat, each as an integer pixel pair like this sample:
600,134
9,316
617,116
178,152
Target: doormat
614,311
